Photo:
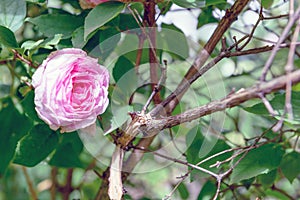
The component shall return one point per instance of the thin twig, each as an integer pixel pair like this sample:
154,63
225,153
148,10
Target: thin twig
29,183
267,105
157,87
282,37
260,17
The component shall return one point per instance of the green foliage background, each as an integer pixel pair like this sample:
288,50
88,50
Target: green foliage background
33,30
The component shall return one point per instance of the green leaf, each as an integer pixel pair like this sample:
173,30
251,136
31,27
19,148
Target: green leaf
77,38
109,39
258,161
36,1
12,13
100,15
290,165
36,146
278,103
183,191
52,24
206,17
111,120
127,22
266,3
7,38
200,147
190,3
29,107
122,66
297,63
33,46
268,179
214,2
14,126
174,41
68,151
208,191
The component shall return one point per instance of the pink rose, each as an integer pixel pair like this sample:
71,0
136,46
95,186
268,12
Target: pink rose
70,90
86,4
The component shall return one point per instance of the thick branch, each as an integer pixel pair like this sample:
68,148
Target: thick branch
149,20
229,101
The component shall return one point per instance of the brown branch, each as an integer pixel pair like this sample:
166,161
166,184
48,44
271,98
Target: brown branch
29,183
136,156
67,189
149,20
231,100
230,16
54,183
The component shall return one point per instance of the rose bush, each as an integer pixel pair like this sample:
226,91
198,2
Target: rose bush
70,90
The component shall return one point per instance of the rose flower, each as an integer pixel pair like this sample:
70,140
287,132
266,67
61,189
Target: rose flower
70,90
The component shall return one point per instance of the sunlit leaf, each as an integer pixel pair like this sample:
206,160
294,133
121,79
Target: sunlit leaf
258,161
266,3
12,13
100,15
52,24
190,4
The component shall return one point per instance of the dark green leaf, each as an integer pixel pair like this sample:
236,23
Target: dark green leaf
12,13
127,22
258,161
7,38
68,151
52,24
268,179
183,191
13,127
206,17
214,2
122,66
164,7
266,3
208,191
290,165
100,15
36,146
29,107
36,1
